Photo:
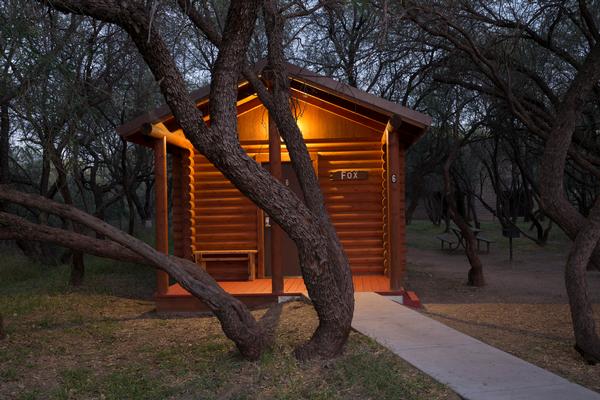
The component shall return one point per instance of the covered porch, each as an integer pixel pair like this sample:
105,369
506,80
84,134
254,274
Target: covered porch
258,292
265,286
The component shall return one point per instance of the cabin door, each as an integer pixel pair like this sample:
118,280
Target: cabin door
291,264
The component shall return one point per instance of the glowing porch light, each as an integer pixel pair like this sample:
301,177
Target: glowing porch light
301,122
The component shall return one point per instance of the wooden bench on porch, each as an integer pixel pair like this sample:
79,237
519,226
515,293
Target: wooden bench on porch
202,257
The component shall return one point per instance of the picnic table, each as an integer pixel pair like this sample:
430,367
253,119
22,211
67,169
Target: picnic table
455,239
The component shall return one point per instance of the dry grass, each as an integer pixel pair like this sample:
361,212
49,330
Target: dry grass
523,309
539,333
95,343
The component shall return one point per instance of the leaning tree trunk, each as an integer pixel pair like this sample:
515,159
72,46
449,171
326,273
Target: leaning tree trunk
324,265
329,284
237,322
587,341
323,262
556,205
473,210
475,275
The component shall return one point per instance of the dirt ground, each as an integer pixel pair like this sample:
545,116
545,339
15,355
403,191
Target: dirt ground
523,309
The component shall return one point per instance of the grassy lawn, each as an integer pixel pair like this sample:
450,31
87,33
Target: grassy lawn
103,341
421,234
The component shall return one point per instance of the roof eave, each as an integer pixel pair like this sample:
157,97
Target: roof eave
342,90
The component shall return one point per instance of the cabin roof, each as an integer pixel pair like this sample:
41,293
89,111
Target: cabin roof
307,82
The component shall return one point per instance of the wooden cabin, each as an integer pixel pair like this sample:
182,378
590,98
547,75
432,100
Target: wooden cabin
357,143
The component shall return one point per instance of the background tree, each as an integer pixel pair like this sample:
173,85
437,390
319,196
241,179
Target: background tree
541,59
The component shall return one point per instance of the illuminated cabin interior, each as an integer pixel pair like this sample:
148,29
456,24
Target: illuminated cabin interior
357,143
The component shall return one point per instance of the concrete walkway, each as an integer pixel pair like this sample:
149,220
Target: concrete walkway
471,368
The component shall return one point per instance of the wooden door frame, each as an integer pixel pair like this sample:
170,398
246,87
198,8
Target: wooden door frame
263,158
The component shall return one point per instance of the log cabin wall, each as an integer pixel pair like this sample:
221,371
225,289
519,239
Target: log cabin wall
355,207
226,220
182,203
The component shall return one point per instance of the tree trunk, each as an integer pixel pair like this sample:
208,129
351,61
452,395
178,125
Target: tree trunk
77,260
128,187
556,205
41,252
237,322
473,210
587,341
324,265
433,207
144,209
416,193
329,280
148,204
77,269
475,275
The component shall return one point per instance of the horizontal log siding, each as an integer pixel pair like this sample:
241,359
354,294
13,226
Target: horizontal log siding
355,206
182,213
189,204
224,219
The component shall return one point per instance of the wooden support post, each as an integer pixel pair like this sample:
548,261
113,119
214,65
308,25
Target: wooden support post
395,206
162,218
276,231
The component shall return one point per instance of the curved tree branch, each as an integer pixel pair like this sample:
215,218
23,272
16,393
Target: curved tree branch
237,322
